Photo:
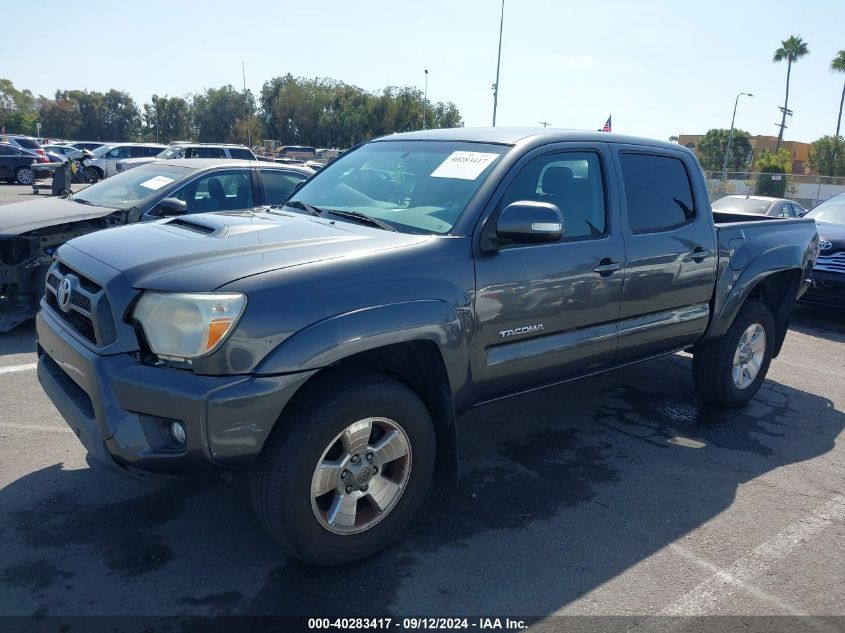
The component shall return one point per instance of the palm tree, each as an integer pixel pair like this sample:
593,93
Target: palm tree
838,66
791,50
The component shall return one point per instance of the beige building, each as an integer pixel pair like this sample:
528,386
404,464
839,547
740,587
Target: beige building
799,150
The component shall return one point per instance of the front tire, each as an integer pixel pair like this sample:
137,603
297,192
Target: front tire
93,174
730,370
347,471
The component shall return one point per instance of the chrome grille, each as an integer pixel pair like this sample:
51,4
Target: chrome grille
81,303
834,263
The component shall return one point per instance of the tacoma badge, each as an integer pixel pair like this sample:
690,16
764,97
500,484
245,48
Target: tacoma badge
525,329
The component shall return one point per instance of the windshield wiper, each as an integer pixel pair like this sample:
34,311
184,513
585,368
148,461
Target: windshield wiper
82,201
362,217
299,204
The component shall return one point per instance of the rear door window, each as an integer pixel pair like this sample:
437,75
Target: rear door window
27,143
209,152
658,192
278,184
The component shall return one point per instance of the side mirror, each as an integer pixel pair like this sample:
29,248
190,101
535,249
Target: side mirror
169,207
529,222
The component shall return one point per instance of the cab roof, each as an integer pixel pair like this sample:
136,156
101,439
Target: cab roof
517,135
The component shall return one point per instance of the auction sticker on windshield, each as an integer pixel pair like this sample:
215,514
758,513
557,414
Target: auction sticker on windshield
464,165
157,182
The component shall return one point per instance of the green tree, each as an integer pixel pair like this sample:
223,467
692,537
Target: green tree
167,119
90,105
790,50
215,112
838,66
60,118
713,145
774,168
121,118
329,113
824,158
17,108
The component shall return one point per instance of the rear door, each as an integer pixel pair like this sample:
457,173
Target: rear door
10,159
670,243
546,312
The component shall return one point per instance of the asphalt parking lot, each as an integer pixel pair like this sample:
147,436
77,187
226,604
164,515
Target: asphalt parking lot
21,193
617,495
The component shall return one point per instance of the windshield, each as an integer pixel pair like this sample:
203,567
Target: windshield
742,205
415,186
170,152
101,150
832,211
131,188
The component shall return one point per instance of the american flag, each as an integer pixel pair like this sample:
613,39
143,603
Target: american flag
607,127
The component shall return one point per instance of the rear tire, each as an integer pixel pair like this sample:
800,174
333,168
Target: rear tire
301,487
24,176
730,370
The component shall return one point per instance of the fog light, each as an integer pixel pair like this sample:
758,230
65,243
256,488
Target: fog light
177,431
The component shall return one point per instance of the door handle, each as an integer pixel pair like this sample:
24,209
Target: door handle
699,254
606,267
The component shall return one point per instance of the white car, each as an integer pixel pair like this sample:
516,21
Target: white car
192,150
104,162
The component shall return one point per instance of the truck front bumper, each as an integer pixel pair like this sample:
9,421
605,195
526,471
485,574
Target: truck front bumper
122,409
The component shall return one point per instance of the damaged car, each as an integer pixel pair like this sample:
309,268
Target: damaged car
31,231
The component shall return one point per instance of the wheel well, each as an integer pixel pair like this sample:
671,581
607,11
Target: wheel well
419,366
778,292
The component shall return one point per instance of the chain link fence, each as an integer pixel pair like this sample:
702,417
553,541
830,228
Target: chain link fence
806,190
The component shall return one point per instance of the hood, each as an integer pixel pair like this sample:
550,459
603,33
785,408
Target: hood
833,233
22,217
202,252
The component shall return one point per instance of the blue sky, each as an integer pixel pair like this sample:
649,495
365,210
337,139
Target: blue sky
659,67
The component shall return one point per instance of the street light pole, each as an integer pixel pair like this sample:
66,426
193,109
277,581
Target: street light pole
425,97
248,109
731,136
498,64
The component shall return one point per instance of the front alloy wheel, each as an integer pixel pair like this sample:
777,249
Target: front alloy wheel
346,468
361,476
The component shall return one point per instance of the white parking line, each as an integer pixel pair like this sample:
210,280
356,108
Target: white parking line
11,369
35,427
706,596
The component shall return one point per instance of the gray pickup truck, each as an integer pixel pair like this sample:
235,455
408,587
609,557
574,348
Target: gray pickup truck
328,345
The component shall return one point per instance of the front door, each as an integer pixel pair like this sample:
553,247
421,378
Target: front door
546,312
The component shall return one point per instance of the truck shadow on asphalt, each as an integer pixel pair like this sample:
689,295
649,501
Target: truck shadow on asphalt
819,321
562,490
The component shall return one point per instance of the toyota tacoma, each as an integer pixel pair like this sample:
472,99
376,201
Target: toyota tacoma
328,345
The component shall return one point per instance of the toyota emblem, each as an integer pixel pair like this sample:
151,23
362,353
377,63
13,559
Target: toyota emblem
825,245
63,294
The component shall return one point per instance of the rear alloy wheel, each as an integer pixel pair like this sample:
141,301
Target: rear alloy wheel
347,468
730,370
24,175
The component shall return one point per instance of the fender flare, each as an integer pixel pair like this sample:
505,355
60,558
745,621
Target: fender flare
335,338
331,340
777,260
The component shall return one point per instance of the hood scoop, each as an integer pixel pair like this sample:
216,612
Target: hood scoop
198,225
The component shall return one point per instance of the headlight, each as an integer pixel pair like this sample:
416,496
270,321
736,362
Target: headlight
182,326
